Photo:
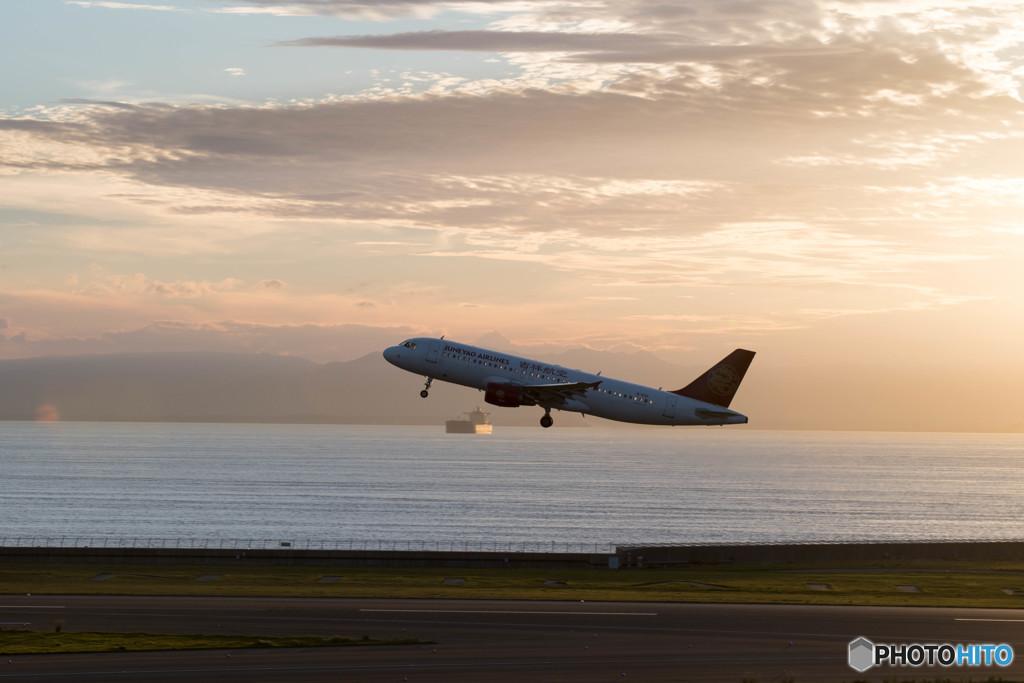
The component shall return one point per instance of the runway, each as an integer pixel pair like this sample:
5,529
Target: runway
503,640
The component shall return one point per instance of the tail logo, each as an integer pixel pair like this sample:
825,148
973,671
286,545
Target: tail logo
723,380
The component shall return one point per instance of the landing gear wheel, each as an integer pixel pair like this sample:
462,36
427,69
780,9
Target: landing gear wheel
546,421
424,393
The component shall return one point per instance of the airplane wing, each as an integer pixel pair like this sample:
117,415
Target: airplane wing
555,395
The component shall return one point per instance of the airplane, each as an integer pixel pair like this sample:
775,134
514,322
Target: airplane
512,381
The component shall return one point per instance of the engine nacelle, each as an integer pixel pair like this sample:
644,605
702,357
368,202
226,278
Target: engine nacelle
504,395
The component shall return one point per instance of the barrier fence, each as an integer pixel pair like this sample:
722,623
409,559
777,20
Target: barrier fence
436,545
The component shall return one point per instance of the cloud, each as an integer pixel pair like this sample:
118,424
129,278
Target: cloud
30,125
484,41
103,284
321,343
545,161
270,284
788,255
122,5
584,47
695,177
789,159
373,10
723,324
98,103
234,71
189,290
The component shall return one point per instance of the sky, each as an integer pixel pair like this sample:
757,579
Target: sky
835,184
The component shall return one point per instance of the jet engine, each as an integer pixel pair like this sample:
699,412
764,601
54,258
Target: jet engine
504,395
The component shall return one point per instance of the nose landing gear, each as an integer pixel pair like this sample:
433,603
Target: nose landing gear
546,421
426,388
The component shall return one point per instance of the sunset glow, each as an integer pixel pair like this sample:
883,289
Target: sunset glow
836,184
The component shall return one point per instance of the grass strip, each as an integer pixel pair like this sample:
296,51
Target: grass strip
948,584
18,642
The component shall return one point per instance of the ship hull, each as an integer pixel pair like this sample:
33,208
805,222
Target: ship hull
466,427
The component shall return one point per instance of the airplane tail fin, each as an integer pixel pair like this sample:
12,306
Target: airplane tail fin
719,384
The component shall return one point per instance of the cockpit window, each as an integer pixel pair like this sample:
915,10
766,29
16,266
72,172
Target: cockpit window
409,344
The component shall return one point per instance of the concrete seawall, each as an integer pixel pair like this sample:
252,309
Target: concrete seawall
623,557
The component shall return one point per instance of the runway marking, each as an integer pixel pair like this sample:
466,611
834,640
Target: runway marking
1015,621
476,611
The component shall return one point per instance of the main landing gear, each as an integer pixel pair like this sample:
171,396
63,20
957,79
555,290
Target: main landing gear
426,387
546,421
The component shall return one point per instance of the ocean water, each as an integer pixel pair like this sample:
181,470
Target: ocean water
340,483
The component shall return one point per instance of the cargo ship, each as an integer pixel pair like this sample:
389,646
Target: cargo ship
475,423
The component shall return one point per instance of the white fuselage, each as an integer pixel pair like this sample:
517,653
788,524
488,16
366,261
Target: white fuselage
613,399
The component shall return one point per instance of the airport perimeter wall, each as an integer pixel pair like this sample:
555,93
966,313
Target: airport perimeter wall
290,556
670,556
637,557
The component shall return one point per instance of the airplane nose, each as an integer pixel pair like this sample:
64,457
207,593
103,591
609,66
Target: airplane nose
391,354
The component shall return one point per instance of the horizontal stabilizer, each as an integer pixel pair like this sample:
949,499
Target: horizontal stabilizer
713,414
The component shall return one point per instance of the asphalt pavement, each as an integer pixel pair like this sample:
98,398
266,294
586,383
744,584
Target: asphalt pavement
504,640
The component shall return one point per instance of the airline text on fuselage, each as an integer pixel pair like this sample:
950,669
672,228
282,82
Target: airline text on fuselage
547,370
470,353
